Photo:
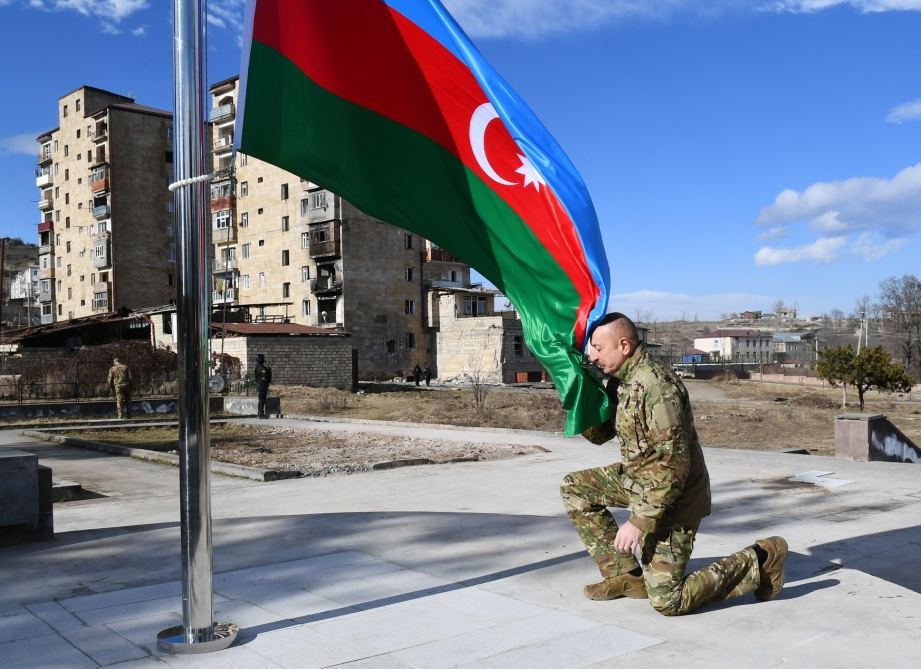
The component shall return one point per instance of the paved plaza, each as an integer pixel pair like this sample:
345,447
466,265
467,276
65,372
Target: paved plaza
468,564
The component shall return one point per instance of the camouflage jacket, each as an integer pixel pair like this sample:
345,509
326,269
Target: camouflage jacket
664,469
119,375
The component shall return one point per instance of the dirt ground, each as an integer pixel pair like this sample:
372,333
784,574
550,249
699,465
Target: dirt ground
313,452
735,414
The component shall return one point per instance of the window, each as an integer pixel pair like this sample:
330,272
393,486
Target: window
305,273
79,156
244,188
82,276
408,241
286,289
244,280
100,300
410,274
78,109
69,271
167,322
259,211
305,207
284,224
285,258
103,227
65,111
305,240
519,345
222,219
171,254
261,242
89,156
168,156
410,307
78,129
259,180
70,293
68,247
261,279
318,200
410,340
66,174
391,346
244,219
66,149
284,191
242,159
170,279
245,251
92,279
66,198
305,307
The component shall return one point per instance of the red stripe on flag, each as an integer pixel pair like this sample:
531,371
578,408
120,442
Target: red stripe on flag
372,56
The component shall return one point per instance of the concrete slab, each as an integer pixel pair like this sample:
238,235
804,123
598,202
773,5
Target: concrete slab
471,564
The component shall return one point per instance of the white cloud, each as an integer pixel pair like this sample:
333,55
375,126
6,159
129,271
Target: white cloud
821,251
226,14
889,206
114,10
908,111
774,233
872,247
665,306
19,144
865,6
140,31
532,19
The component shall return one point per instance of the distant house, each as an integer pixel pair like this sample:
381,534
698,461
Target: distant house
695,356
794,348
750,315
785,314
736,345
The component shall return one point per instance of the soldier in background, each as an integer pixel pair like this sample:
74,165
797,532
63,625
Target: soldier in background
663,481
417,373
263,375
120,384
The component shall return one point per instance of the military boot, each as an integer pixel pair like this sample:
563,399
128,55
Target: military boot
772,567
615,587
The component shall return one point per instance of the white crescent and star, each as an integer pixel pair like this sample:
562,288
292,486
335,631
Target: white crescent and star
479,121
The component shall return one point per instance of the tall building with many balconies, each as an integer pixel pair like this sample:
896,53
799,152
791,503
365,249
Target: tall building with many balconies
106,230
280,238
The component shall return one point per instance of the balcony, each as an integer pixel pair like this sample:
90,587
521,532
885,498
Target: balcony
327,249
222,203
101,302
46,272
326,285
221,114
45,295
221,265
47,319
223,235
45,203
438,255
99,180
101,211
45,248
44,157
101,254
43,178
226,296
328,208
222,144
100,133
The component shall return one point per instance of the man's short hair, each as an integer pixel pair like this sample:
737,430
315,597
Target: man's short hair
115,359
623,326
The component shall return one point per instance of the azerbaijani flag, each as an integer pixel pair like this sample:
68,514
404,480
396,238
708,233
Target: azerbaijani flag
388,104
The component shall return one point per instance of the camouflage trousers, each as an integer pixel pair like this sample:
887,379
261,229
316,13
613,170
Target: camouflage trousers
665,552
123,400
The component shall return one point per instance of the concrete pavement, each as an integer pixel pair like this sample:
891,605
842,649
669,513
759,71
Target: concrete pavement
469,564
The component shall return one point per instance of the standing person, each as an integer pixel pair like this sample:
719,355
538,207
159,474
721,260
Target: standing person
417,373
120,384
263,375
427,373
663,481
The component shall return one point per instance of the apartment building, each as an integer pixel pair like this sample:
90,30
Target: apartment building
281,239
106,234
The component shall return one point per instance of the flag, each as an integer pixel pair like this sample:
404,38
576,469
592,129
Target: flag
388,104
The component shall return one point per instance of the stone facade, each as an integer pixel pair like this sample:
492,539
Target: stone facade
106,214
476,343
316,361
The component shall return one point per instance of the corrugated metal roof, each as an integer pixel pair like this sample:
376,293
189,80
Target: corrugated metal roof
275,329
734,333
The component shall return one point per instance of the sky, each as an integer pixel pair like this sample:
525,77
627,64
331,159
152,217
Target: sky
738,152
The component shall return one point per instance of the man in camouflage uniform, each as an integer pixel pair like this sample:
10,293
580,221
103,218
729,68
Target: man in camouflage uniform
120,383
663,481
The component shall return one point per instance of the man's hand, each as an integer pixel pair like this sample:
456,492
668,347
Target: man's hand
628,538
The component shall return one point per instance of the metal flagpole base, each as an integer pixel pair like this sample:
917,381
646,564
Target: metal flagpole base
174,640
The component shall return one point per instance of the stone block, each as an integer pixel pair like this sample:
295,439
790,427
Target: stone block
866,437
18,488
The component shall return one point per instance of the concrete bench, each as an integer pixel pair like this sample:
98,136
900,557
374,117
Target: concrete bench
26,510
870,436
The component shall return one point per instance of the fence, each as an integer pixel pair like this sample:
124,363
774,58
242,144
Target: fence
20,390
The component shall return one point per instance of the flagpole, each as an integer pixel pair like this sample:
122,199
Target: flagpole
198,632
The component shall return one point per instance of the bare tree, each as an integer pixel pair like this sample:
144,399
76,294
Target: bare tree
777,306
643,316
836,317
862,307
900,298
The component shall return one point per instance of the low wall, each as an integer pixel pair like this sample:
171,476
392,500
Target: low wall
914,394
96,408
